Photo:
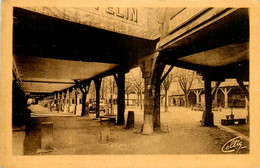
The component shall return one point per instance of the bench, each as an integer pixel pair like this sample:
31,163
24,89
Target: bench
233,121
112,118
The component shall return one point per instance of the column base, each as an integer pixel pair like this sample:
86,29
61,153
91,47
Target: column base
148,125
207,119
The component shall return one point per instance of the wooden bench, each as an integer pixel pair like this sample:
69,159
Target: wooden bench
233,121
112,118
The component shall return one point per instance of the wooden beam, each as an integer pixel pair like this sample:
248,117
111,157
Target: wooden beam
215,88
116,78
54,82
243,88
166,74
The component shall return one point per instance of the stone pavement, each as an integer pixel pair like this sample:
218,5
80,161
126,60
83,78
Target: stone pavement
81,136
40,111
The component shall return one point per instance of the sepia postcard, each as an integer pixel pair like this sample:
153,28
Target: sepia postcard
130,83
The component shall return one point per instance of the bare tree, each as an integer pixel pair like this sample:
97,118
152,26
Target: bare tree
128,86
104,88
92,91
185,79
165,86
112,87
138,84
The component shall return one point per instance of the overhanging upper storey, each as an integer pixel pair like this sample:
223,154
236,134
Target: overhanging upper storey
207,39
138,22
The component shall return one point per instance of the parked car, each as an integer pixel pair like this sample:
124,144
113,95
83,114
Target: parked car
102,106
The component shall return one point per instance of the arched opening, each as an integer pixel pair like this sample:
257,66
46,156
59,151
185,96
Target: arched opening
192,99
173,101
220,98
236,99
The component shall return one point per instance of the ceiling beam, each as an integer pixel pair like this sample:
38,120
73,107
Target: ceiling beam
53,82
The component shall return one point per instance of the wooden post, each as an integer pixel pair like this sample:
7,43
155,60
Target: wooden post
76,100
225,97
68,101
152,69
97,82
207,119
105,130
62,101
147,68
157,105
130,120
225,92
47,135
121,98
246,92
197,93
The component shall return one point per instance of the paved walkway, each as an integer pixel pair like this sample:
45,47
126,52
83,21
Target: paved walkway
40,111
81,135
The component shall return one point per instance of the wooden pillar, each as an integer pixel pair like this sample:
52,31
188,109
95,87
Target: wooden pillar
121,98
67,101
148,126
207,119
55,102
72,99
152,70
157,105
197,93
76,100
215,92
246,92
58,102
243,88
216,99
148,108
225,92
62,101
97,82
226,97
246,103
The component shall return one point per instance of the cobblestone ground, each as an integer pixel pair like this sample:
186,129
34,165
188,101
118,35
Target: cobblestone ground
181,133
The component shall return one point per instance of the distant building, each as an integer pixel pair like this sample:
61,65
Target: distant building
228,94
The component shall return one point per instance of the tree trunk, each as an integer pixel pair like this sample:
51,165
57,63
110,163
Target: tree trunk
186,99
165,103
